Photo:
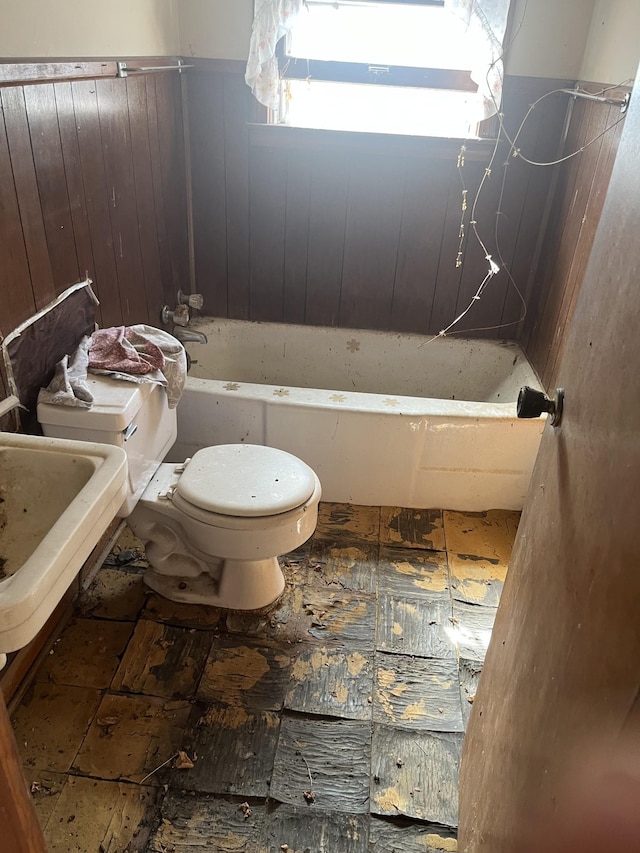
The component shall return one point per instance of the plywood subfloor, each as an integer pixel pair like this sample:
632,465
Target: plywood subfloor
332,722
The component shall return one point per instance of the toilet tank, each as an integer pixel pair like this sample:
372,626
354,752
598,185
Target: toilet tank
133,416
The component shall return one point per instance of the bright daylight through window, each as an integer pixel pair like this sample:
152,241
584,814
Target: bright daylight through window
381,66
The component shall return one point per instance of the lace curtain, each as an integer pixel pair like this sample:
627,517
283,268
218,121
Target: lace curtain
486,22
273,19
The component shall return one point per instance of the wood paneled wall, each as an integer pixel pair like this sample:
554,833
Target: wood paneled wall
579,195
92,181
359,230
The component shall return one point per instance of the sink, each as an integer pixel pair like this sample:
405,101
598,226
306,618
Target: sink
57,498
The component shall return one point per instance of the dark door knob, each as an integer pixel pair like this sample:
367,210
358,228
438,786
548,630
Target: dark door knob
532,403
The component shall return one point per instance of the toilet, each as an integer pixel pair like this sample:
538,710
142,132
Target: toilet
214,525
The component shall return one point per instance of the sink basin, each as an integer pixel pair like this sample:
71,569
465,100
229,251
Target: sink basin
57,497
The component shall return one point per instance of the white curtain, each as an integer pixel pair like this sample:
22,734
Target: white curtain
273,19
486,22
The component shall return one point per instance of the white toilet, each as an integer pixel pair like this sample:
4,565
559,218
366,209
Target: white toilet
214,525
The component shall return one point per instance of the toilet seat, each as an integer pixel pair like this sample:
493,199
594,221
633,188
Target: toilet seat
243,481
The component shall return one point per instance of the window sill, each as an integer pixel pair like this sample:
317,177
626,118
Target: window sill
282,136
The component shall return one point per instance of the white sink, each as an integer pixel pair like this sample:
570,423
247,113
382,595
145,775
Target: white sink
57,498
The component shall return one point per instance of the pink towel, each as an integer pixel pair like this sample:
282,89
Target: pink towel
121,348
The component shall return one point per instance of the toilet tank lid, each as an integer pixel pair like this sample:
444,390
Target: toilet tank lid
246,480
116,402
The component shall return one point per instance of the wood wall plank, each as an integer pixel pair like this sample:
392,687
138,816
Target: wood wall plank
92,181
52,185
581,185
28,196
370,223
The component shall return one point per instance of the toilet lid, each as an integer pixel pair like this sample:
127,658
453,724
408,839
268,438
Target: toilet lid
246,480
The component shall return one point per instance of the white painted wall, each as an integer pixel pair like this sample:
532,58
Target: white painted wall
75,28
613,46
550,37
218,29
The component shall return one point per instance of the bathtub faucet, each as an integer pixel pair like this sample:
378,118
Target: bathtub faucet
189,335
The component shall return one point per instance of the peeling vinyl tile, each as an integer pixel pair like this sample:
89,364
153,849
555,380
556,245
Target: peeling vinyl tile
328,760
469,675
472,627
476,580
233,748
417,693
347,566
249,674
415,626
331,682
412,528
162,660
301,828
113,594
91,814
131,736
45,787
192,823
415,774
482,534
309,614
199,616
347,522
51,722
87,654
413,573
402,835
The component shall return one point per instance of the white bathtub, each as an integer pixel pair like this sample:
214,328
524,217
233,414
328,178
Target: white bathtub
381,419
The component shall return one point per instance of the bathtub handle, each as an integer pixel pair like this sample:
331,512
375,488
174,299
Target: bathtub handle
532,403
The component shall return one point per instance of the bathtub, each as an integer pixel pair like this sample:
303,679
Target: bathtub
383,418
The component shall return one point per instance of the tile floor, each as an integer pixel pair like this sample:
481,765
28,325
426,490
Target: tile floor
332,723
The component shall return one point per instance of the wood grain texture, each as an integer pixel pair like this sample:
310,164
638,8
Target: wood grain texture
581,187
357,230
20,829
92,182
561,675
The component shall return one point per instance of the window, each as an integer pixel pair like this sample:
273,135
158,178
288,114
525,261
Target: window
380,65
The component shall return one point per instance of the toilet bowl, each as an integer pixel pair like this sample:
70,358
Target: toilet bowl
213,526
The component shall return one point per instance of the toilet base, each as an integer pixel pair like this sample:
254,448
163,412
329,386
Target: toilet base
243,585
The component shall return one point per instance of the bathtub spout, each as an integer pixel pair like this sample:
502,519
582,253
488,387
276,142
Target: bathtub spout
189,336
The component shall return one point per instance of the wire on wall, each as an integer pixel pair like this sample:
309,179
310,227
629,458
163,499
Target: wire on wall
513,153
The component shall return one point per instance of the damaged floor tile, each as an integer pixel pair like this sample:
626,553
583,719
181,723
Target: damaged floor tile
415,774
87,654
469,674
297,828
114,594
413,573
250,674
323,763
191,823
349,566
159,609
412,528
476,580
415,626
347,522
131,737
406,836
331,682
482,534
51,723
91,814
233,751
162,660
416,693
472,627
